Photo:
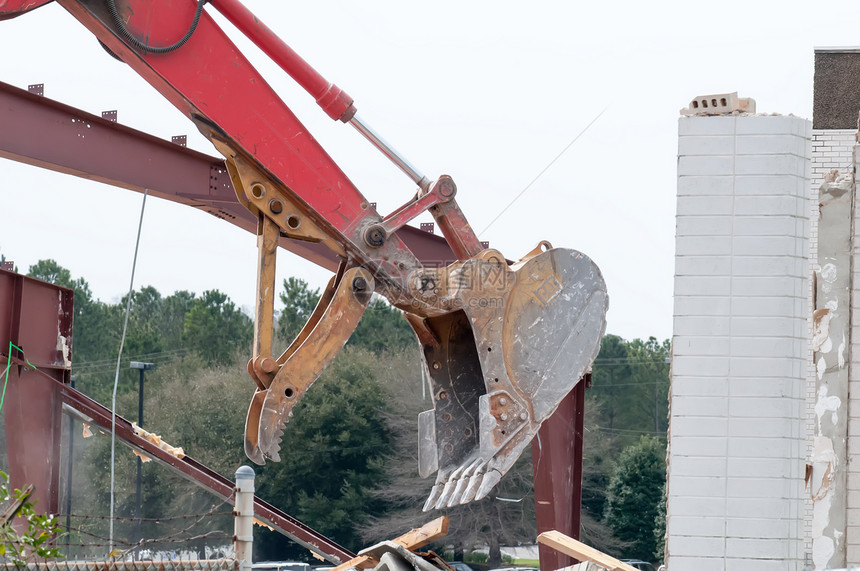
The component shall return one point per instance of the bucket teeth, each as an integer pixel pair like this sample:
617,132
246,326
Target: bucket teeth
449,488
499,370
457,497
489,481
433,498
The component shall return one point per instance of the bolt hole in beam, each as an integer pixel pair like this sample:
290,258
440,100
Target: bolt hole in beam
258,191
294,222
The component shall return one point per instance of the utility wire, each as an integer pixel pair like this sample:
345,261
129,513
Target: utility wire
118,361
540,174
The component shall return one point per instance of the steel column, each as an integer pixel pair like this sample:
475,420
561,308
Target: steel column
35,347
557,465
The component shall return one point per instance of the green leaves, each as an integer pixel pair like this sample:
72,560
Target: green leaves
215,328
35,542
634,496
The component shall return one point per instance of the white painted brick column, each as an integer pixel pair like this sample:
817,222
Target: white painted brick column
737,426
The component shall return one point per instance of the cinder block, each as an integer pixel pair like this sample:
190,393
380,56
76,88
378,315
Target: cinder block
700,562
769,286
762,407
698,406
760,164
706,486
758,527
759,447
701,326
758,468
771,125
784,388
699,426
706,126
789,226
699,386
706,145
703,265
766,508
762,367
692,526
748,564
704,165
769,246
758,548
782,347
706,185
700,305
702,546
758,488
695,466
701,507
780,144
706,205
703,226
703,245
694,346
767,327
701,366
699,446
768,306
789,266
771,185
754,205
765,427
702,285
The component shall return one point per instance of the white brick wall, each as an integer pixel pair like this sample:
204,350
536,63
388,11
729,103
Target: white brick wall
739,350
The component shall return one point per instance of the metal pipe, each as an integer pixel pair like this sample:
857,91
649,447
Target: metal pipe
243,534
390,152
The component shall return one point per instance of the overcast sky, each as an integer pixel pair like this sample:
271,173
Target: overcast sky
488,92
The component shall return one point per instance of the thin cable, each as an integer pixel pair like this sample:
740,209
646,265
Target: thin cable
540,174
118,360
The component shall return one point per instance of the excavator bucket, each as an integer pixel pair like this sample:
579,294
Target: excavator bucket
516,341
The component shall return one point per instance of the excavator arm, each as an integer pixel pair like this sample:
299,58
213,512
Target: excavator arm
502,342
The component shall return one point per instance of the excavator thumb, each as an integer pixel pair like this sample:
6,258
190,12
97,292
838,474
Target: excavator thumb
332,322
516,341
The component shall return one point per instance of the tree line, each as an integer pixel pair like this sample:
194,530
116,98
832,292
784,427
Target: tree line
349,455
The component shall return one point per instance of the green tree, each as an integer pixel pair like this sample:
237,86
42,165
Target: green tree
660,526
35,541
634,496
332,456
299,302
216,329
383,327
631,382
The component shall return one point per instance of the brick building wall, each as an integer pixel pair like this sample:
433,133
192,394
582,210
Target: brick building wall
740,353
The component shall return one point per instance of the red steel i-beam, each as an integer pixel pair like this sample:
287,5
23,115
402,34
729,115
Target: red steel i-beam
35,347
46,133
557,465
